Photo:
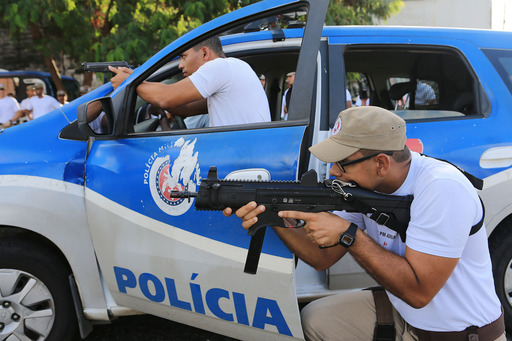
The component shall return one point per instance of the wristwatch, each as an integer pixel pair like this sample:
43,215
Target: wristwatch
349,236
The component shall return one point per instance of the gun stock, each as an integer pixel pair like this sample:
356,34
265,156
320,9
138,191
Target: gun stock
307,195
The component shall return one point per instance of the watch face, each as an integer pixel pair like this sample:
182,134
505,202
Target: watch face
346,239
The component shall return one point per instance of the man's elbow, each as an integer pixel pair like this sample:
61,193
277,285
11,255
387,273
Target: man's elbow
319,264
418,301
162,102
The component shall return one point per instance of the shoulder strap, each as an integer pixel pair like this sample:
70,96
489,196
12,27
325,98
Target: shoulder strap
475,228
476,182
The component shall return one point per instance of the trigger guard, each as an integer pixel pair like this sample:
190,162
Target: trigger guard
293,223
253,229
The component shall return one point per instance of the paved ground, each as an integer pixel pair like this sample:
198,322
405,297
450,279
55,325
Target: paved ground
150,328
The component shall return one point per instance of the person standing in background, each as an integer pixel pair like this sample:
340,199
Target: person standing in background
62,97
8,107
290,78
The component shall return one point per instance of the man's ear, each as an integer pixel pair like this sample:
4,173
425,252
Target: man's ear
206,52
383,164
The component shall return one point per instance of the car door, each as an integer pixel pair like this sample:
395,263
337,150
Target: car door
159,255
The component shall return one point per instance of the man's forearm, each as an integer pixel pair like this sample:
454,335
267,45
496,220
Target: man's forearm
297,241
416,280
169,96
190,109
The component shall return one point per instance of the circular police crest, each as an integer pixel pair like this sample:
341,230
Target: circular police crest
182,174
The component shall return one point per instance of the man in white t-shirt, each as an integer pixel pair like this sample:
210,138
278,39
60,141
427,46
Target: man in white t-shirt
226,88
8,107
290,79
24,111
439,280
348,99
42,104
38,105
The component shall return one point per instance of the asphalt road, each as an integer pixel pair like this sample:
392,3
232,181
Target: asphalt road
150,328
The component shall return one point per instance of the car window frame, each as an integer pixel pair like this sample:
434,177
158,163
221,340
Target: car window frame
125,100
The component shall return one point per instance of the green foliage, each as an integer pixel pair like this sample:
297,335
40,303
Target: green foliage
361,12
131,30
135,30
53,22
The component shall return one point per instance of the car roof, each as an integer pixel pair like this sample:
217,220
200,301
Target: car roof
480,37
20,73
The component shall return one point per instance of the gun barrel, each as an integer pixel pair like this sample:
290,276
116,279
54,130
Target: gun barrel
182,194
103,66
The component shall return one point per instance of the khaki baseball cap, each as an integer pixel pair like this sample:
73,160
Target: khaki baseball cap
368,127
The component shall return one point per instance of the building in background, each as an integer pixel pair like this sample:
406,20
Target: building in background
484,14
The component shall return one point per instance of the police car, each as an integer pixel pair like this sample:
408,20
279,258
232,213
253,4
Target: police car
89,231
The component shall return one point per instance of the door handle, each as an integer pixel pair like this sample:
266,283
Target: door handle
258,174
498,157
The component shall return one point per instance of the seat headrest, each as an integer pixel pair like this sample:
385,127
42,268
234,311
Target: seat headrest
398,90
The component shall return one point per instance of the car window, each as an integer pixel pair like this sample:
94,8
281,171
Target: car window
502,61
262,44
418,83
264,58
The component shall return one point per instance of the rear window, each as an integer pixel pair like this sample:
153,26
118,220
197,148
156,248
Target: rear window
418,82
502,62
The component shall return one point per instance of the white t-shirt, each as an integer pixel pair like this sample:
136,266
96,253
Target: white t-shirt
444,209
359,102
25,103
348,96
233,91
284,116
42,106
8,107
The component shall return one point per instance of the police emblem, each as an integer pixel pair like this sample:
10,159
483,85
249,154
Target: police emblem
178,170
337,126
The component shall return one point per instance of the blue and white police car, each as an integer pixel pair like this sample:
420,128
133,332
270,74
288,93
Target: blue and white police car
88,229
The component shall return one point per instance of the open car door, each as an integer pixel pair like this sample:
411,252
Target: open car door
159,255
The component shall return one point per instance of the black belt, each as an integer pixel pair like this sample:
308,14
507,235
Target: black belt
489,332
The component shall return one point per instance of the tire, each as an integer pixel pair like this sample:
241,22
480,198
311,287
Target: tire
35,295
501,257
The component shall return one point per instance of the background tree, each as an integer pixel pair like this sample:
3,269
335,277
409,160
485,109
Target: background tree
361,12
131,30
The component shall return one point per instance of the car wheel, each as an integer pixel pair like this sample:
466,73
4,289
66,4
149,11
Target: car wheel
501,256
35,295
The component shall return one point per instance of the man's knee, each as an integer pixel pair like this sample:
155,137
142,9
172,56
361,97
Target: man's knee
313,321
348,316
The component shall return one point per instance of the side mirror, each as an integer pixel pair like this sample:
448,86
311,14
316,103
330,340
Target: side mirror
95,117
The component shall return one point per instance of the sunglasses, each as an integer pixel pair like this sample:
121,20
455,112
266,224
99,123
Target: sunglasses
342,165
